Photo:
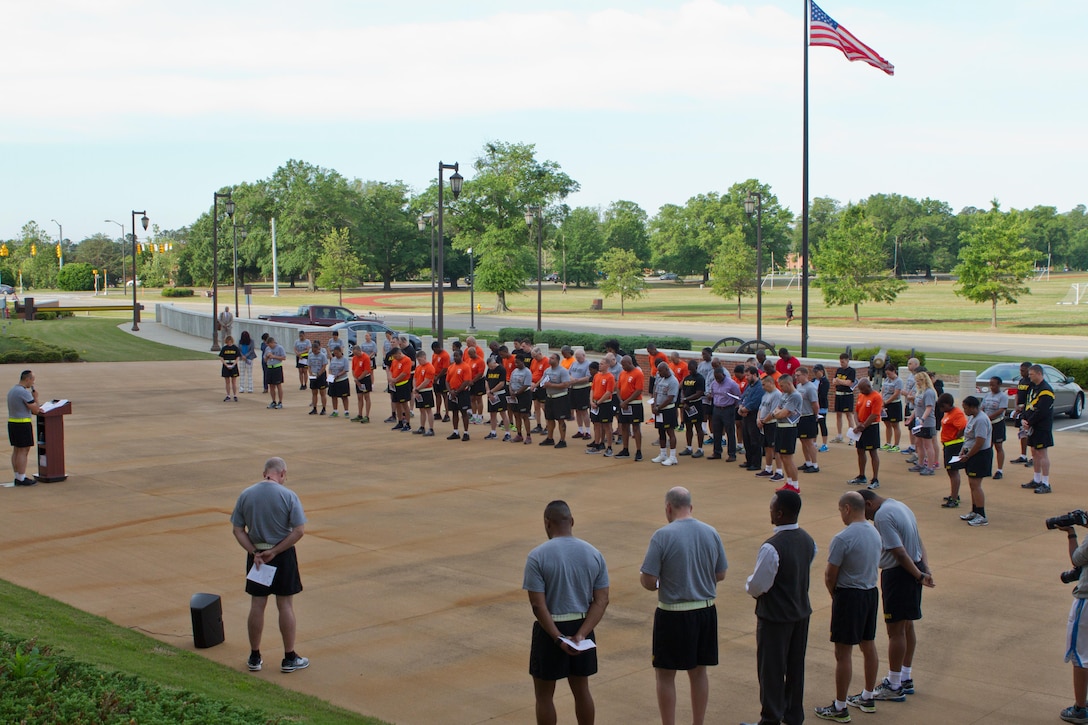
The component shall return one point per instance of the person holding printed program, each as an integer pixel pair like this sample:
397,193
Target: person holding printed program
601,409
319,382
339,370
567,582
245,346
274,355
867,431
423,390
976,458
845,379
891,391
22,403
230,355
629,407
302,358
1038,419
666,393
994,405
362,369
787,415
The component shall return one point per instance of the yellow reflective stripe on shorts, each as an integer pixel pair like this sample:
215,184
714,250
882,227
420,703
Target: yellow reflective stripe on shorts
573,616
686,606
19,420
954,442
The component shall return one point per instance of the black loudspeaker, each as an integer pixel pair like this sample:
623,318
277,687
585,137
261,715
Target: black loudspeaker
207,611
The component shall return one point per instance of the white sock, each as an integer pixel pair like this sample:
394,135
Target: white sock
778,471
1046,480
672,453
866,694
896,679
905,673
840,705
1037,478
1000,471
768,469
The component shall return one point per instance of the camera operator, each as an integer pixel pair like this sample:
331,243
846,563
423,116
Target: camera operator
1076,637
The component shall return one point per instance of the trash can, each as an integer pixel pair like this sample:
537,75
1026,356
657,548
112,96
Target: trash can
207,612
597,304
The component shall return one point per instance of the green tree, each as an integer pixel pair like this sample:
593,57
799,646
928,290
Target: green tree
76,277
339,265
583,241
99,251
390,242
734,269
623,275
850,264
994,263
490,214
625,227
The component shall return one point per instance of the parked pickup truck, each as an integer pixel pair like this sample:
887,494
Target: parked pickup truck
320,315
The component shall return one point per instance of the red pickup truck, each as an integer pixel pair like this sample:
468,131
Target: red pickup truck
319,315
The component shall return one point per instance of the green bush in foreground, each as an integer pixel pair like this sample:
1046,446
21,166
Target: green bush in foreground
177,292
16,349
37,685
590,340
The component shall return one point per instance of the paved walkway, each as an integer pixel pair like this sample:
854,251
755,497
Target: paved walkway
412,562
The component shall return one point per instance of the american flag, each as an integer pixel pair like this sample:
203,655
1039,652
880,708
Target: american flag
822,30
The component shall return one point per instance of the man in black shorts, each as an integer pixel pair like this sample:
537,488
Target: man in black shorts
684,563
22,403
1038,416
843,387
1022,387
268,521
567,582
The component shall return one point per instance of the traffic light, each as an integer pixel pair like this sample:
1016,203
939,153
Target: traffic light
162,248
58,251
33,250
4,250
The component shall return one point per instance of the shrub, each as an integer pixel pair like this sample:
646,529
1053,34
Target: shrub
516,333
1076,368
899,357
76,277
177,292
15,349
592,341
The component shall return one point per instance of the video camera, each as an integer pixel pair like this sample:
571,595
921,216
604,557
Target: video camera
1073,518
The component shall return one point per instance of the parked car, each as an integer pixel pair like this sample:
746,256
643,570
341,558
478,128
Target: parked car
553,277
669,277
1068,396
7,289
355,330
320,315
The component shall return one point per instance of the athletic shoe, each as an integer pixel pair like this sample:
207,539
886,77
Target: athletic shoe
1074,714
517,439
295,663
271,406
623,454
916,469
812,469
822,449
669,461
970,516
334,415
1021,459
446,418
464,437
885,691
547,442
322,411
429,434
685,452
279,405
861,703
803,467
455,436
313,411
765,473
491,436
951,503
561,444
908,686
660,457
638,456
537,429
837,439
832,713
873,485
1031,484
365,419
302,387
357,419
927,472
998,475
1043,488
697,453
740,449
908,450
29,481
656,443
593,449
254,663
778,477
789,487
912,459
708,441
391,419
608,453
528,440
506,438
979,521
398,426
419,431
235,398
858,481
1029,464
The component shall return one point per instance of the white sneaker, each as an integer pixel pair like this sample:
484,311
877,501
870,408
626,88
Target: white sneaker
660,457
670,461
969,517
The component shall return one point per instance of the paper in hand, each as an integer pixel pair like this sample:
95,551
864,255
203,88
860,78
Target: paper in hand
262,576
584,645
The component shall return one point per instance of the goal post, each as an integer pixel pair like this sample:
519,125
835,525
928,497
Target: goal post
1078,293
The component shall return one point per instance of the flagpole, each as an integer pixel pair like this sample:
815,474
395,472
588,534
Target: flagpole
804,193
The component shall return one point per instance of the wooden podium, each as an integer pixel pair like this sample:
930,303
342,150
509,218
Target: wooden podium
50,436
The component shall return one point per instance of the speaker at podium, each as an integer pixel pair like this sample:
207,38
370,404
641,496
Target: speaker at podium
207,612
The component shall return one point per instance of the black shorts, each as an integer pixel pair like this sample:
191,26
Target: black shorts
806,427
402,392
21,435
999,433
479,387
604,413
769,430
685,640
540,394
902,595
853,615
340,389
365,384
525,402
460,401
666,419
870,439
300,362
557,408
275,375
951,450
894,411
425,400
548,661
785,439
499,405
439,385
980,465
319,383
925,432
635,415
1040,439
844,403
286,582
694,412
579,398
229,372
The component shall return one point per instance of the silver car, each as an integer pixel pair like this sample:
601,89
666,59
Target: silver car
1068,396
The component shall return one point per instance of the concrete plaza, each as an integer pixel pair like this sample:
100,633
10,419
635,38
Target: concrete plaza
412,562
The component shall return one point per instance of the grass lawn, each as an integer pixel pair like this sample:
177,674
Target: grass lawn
95,640
97,339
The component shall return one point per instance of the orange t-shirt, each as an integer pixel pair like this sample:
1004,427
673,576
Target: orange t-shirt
742,382
400,367
657,357
456,375
679,370
537,368
424,377
360,365
603,385
953,423
868,405
476,367
566,362
631,384
440,360
509,363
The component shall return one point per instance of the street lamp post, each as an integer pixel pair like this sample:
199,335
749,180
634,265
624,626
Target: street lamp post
235,229
60,243
229,206
111,221
135,309
423,221
456,180
754,205
531,213
471,292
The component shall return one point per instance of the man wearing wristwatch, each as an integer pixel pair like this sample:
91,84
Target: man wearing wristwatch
904,570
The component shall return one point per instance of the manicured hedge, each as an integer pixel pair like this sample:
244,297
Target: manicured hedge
899,357
591,340
177,292
1077,368
16,349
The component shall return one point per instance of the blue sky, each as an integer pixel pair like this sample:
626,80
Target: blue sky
118,105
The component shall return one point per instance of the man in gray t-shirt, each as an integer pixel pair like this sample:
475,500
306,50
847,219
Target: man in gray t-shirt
268,521
317,362
666,418
850,577
567,582
22,404
684,563
904,571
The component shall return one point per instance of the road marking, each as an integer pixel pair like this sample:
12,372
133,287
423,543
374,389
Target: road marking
1075,425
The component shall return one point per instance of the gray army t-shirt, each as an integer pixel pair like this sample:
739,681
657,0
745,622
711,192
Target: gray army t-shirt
665,388
268,511
856,551
685,556
18,400
897,527
567,570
